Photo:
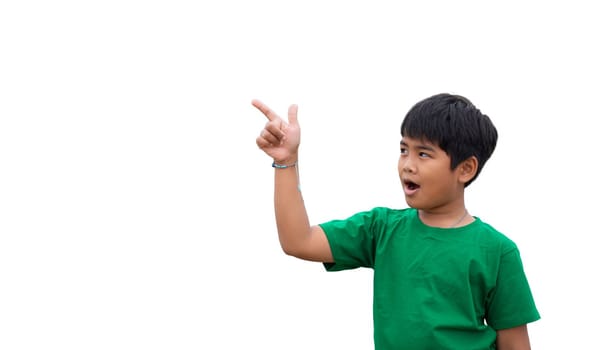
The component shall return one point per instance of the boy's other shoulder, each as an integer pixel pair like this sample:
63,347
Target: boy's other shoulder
488,233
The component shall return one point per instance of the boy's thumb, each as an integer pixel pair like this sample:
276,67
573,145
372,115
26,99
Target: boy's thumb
292,114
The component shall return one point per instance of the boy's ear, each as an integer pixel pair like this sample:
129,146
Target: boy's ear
468,169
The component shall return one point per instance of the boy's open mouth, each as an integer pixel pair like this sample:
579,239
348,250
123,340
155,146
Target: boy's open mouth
410,185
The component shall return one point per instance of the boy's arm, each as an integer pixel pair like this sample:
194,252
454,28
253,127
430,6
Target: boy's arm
516,338
296,236
280,140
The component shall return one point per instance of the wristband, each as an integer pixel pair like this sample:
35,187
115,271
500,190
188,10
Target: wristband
283,166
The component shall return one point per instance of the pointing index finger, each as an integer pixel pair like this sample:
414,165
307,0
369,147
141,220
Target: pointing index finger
265,110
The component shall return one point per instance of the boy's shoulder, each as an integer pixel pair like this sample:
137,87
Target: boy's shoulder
488,233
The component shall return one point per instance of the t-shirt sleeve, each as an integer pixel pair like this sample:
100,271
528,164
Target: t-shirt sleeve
352,241
511,302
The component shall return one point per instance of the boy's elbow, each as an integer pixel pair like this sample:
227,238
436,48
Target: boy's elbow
303,246
299,251
293,244
292,251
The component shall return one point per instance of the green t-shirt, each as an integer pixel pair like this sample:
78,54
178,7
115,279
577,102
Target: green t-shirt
434,288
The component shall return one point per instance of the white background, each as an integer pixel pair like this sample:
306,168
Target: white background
136,209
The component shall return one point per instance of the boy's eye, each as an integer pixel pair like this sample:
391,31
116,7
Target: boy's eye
403,151
424,155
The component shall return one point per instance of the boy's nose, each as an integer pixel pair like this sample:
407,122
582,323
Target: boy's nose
408,166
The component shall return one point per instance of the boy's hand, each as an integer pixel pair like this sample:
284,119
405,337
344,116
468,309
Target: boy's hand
279,139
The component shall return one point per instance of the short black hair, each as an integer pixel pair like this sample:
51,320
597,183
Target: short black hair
454,124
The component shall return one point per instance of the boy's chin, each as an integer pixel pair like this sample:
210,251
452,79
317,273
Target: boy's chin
411,203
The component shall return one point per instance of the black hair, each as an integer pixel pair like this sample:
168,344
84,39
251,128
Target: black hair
454,124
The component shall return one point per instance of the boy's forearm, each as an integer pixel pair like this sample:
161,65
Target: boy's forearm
292,220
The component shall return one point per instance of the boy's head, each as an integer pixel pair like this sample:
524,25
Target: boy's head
454,124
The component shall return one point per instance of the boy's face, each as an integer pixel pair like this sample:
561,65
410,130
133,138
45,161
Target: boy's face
426,175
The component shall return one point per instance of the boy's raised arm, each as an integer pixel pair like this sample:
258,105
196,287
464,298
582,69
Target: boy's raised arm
280,140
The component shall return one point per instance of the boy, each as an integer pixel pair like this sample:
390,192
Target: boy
443,279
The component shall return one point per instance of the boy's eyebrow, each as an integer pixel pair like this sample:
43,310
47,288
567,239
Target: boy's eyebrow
420,146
